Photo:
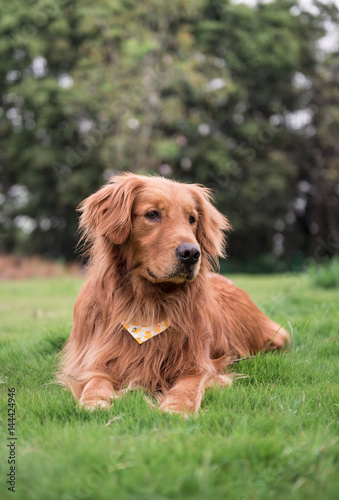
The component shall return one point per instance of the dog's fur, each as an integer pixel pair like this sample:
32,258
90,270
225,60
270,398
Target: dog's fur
135,274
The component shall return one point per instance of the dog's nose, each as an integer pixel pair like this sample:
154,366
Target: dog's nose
188,253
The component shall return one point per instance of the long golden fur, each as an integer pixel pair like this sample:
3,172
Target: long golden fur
134,226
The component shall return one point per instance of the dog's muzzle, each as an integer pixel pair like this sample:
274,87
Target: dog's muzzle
188,256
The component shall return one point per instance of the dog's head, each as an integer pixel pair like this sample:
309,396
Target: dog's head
169,227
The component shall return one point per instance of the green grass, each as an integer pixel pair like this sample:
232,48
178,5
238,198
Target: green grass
272,435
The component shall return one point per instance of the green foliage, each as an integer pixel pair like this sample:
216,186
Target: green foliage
273,434
325,275
204,88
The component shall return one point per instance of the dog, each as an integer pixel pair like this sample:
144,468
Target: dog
153,313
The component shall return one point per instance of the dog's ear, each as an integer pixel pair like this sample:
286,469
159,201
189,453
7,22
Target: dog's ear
108,212
212,224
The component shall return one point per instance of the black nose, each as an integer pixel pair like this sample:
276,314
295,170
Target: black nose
188,254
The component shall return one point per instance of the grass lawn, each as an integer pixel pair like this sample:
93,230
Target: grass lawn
272,435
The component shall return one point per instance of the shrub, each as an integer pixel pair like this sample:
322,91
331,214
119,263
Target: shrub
325,275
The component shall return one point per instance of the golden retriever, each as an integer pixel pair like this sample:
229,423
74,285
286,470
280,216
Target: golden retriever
151,312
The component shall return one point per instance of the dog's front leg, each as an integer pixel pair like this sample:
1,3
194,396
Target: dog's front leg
97,393
186,395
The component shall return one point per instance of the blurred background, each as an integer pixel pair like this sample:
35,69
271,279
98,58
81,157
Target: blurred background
242,97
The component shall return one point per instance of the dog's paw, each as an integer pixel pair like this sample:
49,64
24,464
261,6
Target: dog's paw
175,407
221,381
98,404
174,411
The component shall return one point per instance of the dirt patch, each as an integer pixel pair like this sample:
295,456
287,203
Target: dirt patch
13,267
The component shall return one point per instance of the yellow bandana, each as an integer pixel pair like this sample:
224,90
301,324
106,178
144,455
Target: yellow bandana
141,333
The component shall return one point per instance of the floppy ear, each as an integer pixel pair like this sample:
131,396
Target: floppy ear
211,224
108,212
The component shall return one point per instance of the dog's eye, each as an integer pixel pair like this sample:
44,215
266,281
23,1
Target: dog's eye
191,219
153,215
